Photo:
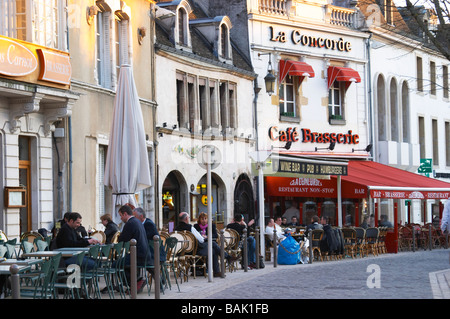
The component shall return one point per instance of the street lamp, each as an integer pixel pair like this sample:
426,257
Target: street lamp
269,79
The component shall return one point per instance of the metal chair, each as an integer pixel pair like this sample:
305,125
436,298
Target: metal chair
172,249
67,280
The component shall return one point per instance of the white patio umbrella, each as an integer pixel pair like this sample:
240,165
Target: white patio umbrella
127,169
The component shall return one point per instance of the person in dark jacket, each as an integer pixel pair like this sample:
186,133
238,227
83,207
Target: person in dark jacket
69,237
150,230
111,228
133,229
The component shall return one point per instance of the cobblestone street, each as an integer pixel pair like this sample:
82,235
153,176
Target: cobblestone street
406,275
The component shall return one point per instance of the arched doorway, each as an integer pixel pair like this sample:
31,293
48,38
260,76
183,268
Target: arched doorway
173,199
218,204
244,202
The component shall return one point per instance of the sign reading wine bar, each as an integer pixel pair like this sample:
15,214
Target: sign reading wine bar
287,166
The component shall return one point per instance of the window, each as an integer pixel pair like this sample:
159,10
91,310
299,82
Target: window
435,142
182,27
445,80
111,48
287,97
103,49
422,136
45,23
224,41
205,102
388,12
433,78
335,101
419,74
38,21
447,142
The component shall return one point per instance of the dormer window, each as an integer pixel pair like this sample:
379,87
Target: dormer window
225,39
182,27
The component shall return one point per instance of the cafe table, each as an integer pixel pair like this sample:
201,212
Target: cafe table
48,253
72,249
5,269
21,262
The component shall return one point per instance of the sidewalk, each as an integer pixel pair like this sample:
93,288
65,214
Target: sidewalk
201,288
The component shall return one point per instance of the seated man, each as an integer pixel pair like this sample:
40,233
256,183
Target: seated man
202,248
239,225
314,224
68,237
270,227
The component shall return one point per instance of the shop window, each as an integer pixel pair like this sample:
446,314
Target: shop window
348,213
329,211
287,97
309,210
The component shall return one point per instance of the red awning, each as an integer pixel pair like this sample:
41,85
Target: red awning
341,74
383,181
295,68
364,178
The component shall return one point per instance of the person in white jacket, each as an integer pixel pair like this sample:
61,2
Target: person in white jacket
445,227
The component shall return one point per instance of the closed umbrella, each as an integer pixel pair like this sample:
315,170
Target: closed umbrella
127,168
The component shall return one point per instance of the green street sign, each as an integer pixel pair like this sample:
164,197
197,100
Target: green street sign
425,165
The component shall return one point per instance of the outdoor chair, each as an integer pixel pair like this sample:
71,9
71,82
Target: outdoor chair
360,246
194,261
381,246
180,259
67,282
171,246
40,284
41,245
316,237
89,276
349,241
372,240
108,270
233,247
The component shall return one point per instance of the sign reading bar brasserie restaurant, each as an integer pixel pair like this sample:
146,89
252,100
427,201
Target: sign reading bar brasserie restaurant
32,63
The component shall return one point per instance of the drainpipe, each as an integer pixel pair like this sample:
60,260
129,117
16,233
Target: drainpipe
370,92
69,187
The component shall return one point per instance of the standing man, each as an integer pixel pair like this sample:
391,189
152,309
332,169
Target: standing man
150,230
133,229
